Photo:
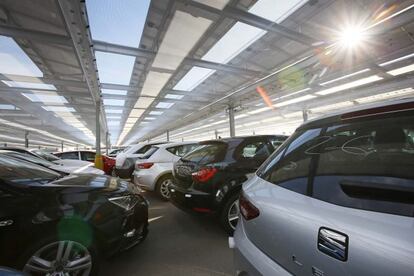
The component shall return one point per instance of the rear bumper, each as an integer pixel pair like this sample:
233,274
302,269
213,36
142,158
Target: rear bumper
145,179
192,201
250,260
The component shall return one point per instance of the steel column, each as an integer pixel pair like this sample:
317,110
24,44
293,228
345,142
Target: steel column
231,121
168,135
305,115
26,139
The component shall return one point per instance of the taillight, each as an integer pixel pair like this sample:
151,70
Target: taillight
247,209
204,174
147,165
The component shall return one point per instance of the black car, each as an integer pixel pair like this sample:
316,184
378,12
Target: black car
208,180
54,225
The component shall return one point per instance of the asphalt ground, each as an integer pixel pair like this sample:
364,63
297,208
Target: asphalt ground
178,243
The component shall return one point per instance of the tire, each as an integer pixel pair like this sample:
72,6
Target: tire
42,258
162,186
229,214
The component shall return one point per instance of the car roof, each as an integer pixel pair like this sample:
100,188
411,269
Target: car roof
367,110
236,138
174,144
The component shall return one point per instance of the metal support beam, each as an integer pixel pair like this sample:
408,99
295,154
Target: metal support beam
107,143
168,135
231,121
143,53
26,139
20,78
305,115
216,133
16,32
74,12
98,129
61,146
199,9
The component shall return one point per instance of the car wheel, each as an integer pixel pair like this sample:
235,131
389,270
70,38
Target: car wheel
60,257
229,215
162,186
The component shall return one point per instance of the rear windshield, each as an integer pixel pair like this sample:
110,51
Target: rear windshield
149,153
17,171
208,153
46,155
144,149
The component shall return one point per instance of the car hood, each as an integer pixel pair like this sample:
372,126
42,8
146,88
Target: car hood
86,169
94,181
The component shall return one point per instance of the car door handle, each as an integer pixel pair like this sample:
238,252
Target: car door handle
333,243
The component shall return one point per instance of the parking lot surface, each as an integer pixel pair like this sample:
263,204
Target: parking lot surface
177,244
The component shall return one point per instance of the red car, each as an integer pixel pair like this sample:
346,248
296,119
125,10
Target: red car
88,155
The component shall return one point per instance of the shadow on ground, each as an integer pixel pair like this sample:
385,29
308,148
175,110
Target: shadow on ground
177,244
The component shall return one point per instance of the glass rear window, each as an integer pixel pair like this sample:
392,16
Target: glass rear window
149,153
207,153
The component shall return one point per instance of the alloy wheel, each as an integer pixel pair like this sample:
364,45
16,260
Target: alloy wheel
233,214
62,258
165,193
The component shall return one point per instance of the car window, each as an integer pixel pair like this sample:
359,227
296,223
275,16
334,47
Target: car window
88,156
69,155
207,153
18,171
289,167
277,141
255,149
368,165
46,155
143,149
182,150
149,153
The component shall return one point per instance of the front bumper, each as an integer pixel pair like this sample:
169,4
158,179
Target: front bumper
133,228
124,172
250,260
192,201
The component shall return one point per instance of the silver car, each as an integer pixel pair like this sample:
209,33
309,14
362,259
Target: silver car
153,170
337,198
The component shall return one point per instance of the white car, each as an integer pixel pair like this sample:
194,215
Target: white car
125,160
153,170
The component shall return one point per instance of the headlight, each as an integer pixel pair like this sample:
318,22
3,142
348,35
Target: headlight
125,202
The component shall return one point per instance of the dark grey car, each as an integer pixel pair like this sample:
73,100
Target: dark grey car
337,198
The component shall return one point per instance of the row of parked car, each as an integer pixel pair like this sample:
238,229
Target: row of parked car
335,198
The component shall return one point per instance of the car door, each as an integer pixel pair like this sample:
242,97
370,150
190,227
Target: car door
363,193
15,209
285,228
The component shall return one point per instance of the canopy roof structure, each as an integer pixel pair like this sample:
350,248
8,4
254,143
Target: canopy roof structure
179,66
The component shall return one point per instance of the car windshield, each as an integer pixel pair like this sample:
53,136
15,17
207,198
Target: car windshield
46,155
18,171
30,158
